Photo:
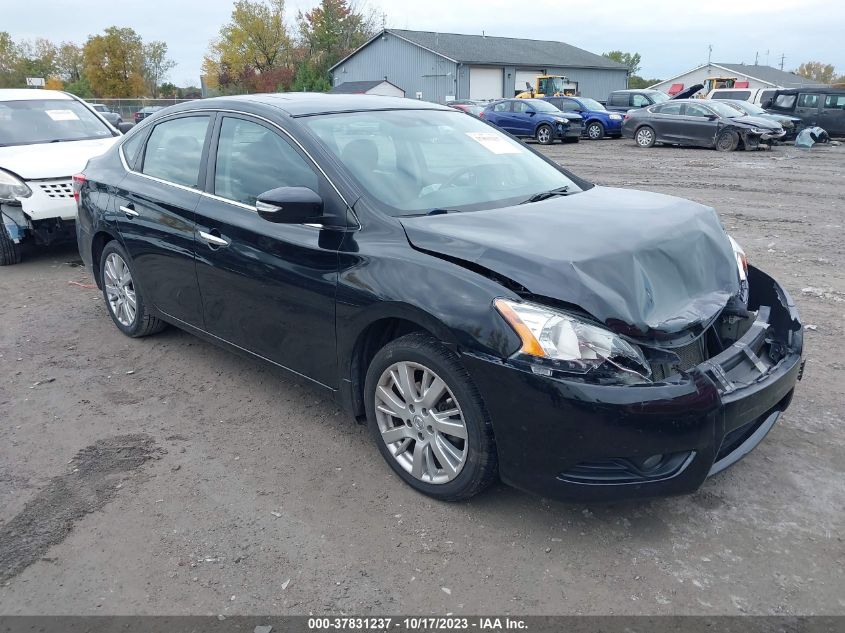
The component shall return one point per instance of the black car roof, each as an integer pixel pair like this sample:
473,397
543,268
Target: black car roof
824,91
310,103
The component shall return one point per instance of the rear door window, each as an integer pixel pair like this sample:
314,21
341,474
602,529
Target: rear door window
619,99
668,108
834,102
503,106
174,150
808,101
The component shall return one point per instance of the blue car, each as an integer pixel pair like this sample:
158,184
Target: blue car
534,118
598,122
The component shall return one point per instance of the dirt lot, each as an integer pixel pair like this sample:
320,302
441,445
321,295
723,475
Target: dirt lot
167,476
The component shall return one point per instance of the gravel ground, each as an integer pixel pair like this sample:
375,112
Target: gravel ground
219,487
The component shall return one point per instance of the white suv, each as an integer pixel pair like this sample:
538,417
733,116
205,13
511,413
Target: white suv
45,138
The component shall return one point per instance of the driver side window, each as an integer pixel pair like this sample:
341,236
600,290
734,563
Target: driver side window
252,159
639,101
521,107
693,109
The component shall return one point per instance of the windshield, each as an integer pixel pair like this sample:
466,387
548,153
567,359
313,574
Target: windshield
659,97
48,121
591,104
416,161
543,106
723,109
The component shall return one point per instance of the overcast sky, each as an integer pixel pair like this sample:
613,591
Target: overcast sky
671,35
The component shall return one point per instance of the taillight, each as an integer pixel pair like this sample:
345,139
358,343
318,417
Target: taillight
78,181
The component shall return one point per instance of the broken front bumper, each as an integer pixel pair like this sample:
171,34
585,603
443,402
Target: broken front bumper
573,440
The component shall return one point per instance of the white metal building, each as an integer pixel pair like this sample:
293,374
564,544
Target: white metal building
758,77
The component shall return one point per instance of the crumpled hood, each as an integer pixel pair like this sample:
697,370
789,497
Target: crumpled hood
758,121
52,160
636,261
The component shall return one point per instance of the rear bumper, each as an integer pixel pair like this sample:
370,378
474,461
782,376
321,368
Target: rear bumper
572,440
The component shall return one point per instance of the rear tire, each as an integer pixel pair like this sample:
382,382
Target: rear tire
545,135
645,137
727,141
451,456
124,299
10,253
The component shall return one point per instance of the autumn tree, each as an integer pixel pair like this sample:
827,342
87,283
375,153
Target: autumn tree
69,62
327,34
8,61
253,50
817,71
156,65
114,63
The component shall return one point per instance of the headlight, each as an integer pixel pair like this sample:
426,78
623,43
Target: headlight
561,120
741,259
12,188
761,130
615,117
569,344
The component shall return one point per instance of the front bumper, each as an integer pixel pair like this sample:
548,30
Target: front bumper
573,440
774,136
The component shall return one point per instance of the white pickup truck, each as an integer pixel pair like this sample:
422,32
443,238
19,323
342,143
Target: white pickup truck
46,137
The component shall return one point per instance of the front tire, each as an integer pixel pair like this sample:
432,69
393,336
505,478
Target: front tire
545,135
727,141
124,300
595,131
645,137
10,253
428,419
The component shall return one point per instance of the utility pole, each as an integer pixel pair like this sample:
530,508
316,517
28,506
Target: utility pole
709,53
782,57
756,58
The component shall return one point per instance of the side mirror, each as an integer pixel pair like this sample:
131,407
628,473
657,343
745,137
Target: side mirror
125,126
290,205
712,117
530,112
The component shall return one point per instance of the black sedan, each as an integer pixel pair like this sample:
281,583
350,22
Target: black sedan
487,312
791,124
699,123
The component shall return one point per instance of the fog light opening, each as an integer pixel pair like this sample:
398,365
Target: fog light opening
652,462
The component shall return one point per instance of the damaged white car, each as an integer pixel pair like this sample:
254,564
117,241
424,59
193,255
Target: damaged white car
46,136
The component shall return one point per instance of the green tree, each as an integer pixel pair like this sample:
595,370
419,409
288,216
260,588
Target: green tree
156,65
332,30
817,71
114,63
253,50
81,88
70,62
635,81
631,60
9,62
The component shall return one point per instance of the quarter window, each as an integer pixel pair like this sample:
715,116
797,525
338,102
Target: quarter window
130,149
252,159
174,150
808,101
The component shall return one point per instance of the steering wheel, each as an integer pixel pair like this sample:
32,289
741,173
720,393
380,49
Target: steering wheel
452,180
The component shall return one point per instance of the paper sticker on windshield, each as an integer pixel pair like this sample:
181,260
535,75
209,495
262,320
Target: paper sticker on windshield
494,143
62,115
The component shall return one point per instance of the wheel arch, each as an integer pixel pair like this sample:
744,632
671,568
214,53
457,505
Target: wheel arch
98,243
387,323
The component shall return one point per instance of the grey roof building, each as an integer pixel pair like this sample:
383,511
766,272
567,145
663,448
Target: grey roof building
438,66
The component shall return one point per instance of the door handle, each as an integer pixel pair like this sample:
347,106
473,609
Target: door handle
213,241
129,211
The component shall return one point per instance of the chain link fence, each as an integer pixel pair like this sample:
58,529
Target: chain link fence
127,108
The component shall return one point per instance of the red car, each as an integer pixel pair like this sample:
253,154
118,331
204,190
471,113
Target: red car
470,107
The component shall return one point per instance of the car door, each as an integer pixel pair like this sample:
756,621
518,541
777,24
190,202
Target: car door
699,125
667,122
522,119
267,288
498,114
154,207
807,107
832,117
